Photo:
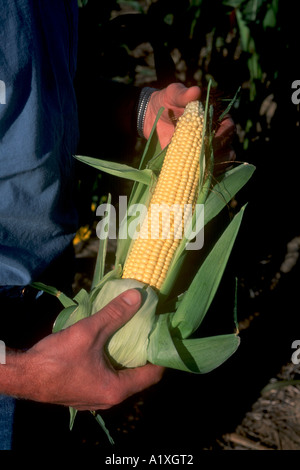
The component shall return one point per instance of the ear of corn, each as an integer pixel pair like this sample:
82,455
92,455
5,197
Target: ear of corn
177,186
171,179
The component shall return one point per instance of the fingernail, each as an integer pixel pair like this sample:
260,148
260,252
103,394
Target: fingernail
131,297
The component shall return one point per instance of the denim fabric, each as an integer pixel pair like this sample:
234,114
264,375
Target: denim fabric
26,316
38,135
7,409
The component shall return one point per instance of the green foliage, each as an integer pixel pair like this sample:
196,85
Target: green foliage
82,3
230,42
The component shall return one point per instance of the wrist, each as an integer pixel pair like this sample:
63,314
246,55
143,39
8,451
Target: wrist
21,377
143,102
12,373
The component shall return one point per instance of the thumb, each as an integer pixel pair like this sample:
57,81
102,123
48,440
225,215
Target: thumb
179,96
116,313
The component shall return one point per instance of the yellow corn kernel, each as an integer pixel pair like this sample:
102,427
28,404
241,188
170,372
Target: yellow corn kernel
153,251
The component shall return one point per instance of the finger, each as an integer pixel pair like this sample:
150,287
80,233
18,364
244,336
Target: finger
226,127
178,96
115,314
130,382
224,135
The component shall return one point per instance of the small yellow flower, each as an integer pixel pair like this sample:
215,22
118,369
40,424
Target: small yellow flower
83,234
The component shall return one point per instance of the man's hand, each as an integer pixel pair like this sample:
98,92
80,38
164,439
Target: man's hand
71,368
174,98
224,153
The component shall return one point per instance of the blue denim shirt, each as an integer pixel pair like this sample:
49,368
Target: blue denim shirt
38,135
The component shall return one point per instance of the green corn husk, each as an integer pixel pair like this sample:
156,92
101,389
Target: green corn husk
152,336
135,333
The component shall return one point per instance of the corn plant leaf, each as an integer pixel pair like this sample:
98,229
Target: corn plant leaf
101,422
161,349
83,310
197,355
206,132
156,162
235,309
141,196
151,149
171,305
101,255
152,146
226,188
63,317
203,355
118,169
114,273
78,314
231,103
244,30
73,414
202,289
63,298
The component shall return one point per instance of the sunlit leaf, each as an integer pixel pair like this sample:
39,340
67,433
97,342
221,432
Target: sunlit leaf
118,169
201,291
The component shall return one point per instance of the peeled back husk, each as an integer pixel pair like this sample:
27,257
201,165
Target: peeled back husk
128,346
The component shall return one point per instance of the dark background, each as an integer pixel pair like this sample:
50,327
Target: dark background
156,43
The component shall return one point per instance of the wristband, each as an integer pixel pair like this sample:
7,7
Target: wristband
142,108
